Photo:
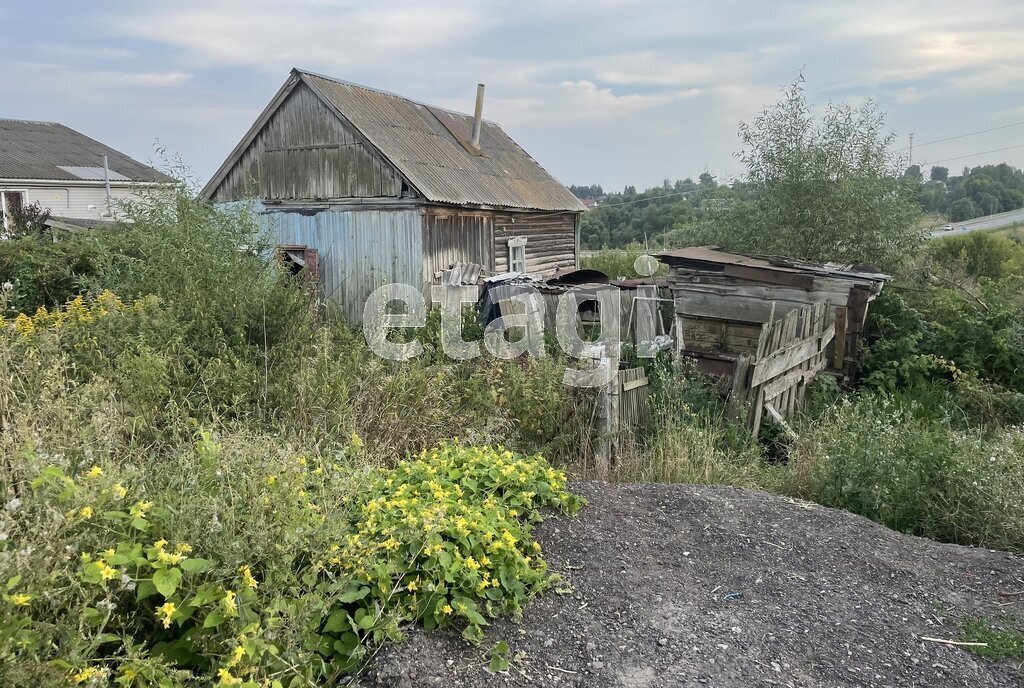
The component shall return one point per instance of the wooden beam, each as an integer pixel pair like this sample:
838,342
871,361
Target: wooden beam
840,346
788,357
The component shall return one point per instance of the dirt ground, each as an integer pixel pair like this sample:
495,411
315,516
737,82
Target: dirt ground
677,585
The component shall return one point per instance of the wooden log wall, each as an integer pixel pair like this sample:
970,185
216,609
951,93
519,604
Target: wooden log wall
550,240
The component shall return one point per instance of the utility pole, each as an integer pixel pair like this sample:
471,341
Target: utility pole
911,149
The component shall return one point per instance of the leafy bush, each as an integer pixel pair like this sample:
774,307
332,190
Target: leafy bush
234,564
891,459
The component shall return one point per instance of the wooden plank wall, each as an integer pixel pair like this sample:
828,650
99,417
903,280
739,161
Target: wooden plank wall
791,351
305,152
635,389
550,240
456,236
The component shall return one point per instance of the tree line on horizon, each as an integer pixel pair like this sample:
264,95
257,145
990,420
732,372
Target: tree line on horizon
673,213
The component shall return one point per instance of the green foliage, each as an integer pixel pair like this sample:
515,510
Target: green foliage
283,567
978,254
983,190
620,263
999,644
819,189
888,457
44,272
629,217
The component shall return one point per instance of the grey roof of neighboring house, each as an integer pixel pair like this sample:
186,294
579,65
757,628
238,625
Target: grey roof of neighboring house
47,150
429,147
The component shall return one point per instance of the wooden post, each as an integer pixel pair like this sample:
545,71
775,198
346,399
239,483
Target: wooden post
840,341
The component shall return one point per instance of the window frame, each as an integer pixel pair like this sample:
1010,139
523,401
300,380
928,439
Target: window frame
4,226
517,245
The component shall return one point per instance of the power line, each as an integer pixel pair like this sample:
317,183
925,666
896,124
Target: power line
954,138
972,155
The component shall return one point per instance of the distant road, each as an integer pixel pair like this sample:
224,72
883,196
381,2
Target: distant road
987,222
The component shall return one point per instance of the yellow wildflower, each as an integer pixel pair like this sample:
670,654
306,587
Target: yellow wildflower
108,572
94,472
226,679
183,548
160,544
472,564
411,587
165,611
301,460
485,561
447,609
247,577
85,512
356,442
21,600
230,607
119,490
237,655
85,674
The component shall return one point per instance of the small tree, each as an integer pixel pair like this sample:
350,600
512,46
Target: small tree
821,189
939,173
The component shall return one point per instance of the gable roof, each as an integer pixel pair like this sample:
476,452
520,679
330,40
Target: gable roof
47,150
427,145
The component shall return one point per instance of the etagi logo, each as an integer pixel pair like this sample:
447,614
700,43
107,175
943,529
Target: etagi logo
522,327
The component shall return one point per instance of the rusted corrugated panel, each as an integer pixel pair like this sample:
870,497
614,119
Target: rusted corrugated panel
430,156
359,250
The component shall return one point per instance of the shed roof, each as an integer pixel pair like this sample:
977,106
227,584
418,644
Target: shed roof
715,259
48,150
427,145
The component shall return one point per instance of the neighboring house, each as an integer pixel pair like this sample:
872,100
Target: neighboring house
373,188
63,171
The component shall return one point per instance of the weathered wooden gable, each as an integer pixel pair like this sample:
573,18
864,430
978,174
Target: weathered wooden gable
305,151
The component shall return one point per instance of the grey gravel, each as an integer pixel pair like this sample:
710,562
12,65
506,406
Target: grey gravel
683,585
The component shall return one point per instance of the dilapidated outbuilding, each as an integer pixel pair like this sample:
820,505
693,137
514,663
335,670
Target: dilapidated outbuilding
722,299
373,188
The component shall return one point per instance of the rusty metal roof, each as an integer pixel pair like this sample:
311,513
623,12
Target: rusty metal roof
47,150
424,144
703,257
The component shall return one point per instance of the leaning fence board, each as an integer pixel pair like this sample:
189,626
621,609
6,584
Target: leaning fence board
792,355
788,354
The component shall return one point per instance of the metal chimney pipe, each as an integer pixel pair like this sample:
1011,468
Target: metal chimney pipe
478,116
106,181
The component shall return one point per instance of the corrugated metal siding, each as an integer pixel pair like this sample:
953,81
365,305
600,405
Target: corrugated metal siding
306,152
451,237
359,250
550,240
411,137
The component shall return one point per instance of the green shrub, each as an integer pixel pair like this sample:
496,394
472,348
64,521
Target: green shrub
895,461
254,565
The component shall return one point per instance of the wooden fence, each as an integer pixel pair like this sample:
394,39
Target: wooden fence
621,408
790,352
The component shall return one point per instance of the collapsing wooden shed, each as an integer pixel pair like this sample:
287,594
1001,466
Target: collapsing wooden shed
767,321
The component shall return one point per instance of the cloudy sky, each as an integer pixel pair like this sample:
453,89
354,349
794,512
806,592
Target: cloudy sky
608,91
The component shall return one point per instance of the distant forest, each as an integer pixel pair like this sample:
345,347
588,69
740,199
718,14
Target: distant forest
658,216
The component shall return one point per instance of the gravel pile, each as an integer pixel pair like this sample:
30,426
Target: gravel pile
678,585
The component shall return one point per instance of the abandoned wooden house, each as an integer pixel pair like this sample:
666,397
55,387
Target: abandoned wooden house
371,188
